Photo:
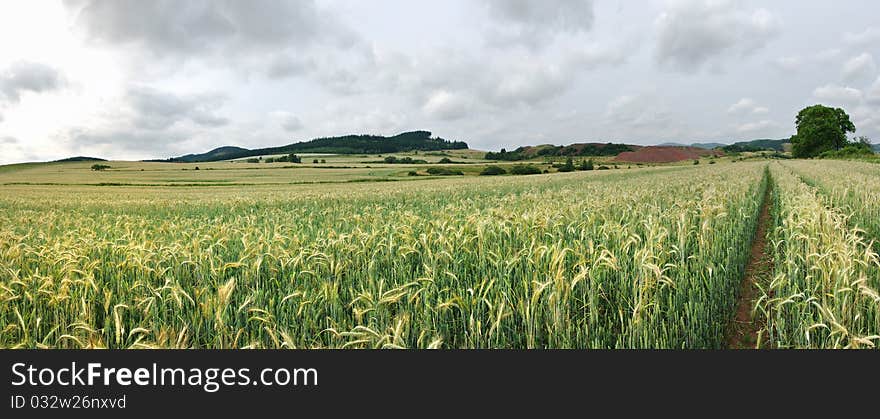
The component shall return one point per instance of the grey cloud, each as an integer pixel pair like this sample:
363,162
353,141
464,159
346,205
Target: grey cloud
449,84
641,113
459,84
7,139
873,96
155,109
288,121
593,57
24,76
122,139
533,23
231,28
693,32
150,120
283,67
162,25
254,37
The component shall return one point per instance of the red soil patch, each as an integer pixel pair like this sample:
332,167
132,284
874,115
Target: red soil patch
665,154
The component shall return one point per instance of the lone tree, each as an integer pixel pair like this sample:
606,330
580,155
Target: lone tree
820,129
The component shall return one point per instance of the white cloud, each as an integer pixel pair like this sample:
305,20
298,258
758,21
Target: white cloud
756,127
866,37
743,105
447,106
747,106
838,95
859,67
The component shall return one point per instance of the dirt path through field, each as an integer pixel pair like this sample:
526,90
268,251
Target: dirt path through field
744,329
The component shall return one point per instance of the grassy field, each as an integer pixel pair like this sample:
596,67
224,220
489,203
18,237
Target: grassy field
329,169
304,258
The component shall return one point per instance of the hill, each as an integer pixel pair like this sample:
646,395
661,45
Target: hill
665,154
78,158
217,154
756,145
348,144
708,146
549,150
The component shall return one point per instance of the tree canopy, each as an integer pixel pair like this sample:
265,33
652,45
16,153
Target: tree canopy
820,129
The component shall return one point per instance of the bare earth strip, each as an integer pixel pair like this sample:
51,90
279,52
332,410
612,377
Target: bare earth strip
744,328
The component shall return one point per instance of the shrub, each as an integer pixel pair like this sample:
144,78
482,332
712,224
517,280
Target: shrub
525,169
442,171
568,166
290,158
445,160
851,150
100,167
404,160
413,173
493,171
586,165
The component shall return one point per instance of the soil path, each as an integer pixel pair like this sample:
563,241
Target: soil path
744,329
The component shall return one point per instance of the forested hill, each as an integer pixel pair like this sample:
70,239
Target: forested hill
348,144
756,145
548,150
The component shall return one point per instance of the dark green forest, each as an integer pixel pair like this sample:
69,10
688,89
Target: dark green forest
348,144
529,152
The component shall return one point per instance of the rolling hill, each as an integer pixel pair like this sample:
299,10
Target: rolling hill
78,159
708,146
549,150
756,145
665,154
348,144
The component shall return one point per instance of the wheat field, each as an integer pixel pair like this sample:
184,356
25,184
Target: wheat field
643,258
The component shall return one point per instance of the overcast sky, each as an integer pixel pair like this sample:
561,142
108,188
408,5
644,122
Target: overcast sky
146,79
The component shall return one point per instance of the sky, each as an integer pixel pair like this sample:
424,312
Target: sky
134,79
